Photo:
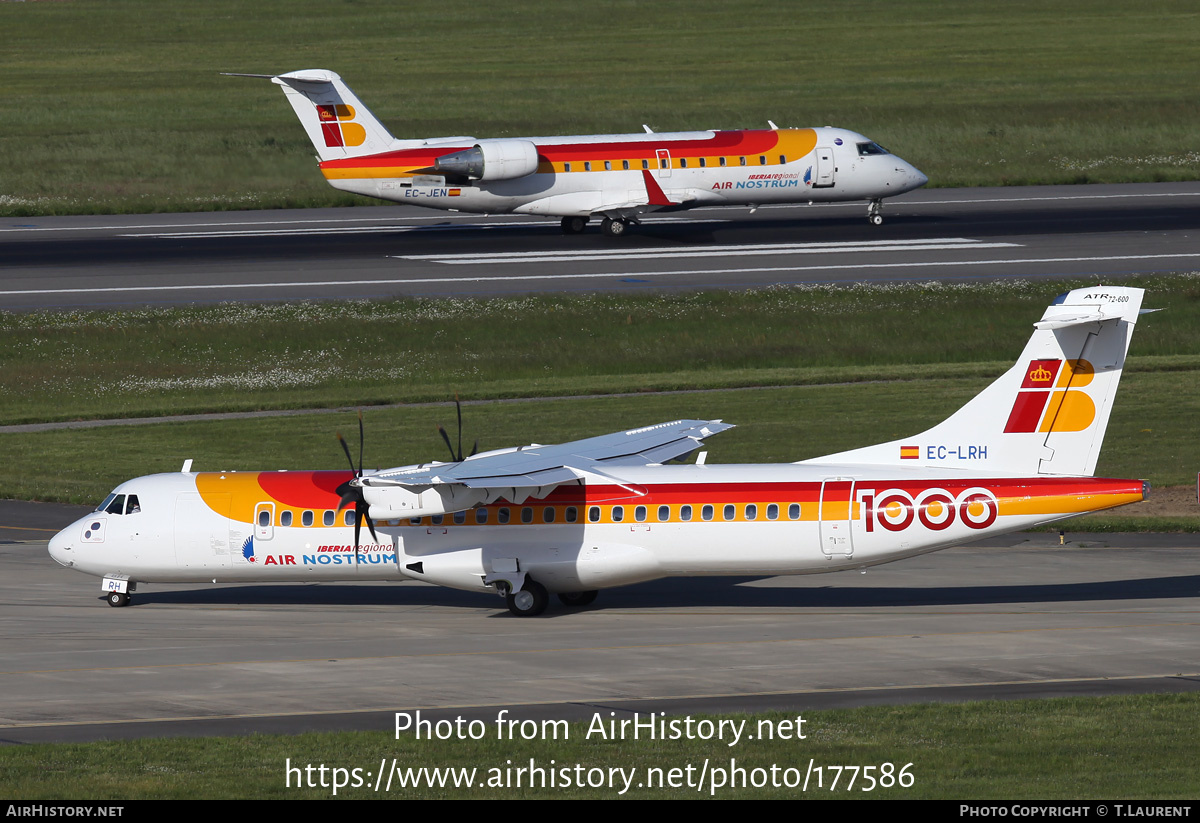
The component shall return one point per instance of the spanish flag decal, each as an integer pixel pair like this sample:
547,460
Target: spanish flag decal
910,452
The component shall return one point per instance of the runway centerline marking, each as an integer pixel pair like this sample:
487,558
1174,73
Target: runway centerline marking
402,281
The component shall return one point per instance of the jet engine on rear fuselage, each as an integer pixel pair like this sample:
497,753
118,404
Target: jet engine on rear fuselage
490,160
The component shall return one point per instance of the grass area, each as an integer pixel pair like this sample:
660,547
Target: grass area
93,364
120,106
881,362
1080,748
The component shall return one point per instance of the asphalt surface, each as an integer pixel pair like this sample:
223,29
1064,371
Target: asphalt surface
1018,617
1106,232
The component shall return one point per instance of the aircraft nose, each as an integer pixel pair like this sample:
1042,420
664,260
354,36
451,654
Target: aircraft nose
61,550
916,177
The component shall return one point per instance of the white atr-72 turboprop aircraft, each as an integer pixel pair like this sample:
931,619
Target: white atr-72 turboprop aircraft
614,177
607,511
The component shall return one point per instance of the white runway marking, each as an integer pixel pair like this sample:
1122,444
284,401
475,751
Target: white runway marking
621,275
390,227
749,250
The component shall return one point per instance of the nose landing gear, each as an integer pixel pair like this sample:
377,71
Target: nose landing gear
874,212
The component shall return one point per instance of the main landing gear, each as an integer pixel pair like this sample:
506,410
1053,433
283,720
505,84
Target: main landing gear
574,225
530,601
533,598
874,212
614,228
609,226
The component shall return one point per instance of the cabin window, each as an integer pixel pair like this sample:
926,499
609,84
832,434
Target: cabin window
264,517
794,511
502,516
571,515
566,166
664,514
548,514
348,517
662,163
608,165
685,513
460,518
306,519
730,511
639,514
751,511
416,521
683,162
116,505
587,165
783,159
618,513
762,160
703,162
327,518
722,161
742,161
645,164
594,514
481,516
773,511
436,520
527,515
625,165
706,513
285,518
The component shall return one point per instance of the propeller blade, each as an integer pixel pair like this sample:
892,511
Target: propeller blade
458,408
346,449
361,440
446,438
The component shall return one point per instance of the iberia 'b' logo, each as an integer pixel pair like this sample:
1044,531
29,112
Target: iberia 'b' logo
1063,408
336,128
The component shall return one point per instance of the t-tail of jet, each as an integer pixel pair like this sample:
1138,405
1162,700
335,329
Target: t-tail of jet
1048,413
338,124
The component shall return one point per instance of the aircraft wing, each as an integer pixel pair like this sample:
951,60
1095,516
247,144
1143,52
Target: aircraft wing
541,466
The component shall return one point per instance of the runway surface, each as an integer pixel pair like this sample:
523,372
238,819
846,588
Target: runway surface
1018,617
1105,232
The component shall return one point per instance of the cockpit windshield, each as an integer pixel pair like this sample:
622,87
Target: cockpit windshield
866,149
120,504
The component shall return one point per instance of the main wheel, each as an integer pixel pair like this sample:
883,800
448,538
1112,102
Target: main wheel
574,225
614,228
578,598
118,599
530,601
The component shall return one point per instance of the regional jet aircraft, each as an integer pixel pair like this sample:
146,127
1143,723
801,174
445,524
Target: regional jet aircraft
607,511
614,177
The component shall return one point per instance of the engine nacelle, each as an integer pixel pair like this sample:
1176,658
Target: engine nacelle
495,160
401,502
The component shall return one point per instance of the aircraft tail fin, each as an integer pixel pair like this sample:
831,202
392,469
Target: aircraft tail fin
1045,415
337,122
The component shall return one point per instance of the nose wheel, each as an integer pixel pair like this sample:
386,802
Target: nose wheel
875,212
